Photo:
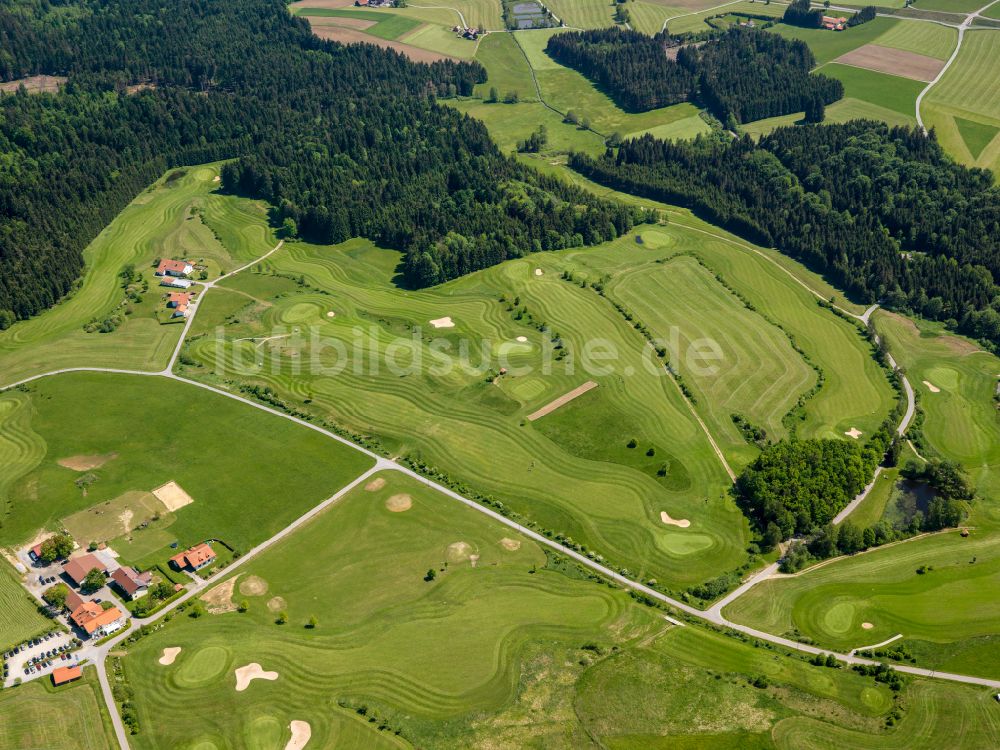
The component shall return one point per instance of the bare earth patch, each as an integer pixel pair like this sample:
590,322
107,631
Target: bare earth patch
931,387
854,433
867,625
445,322
301,732
276,604
169,654
458,552
249,673
375,485
219,600
511,545
35,84
399,503
562,400
173,496
347,23
253,586
330,4
86,463
681,522
354,36
895,62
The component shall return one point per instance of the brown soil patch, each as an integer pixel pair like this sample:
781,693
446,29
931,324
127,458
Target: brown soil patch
169,654
332,4
301,732
375,485
219,600
562,400
459,552
253,586
249,673
135,88
353,36
86,463
399,503
895,62
173,496
347,23
511,545
35,84
681,522
276,604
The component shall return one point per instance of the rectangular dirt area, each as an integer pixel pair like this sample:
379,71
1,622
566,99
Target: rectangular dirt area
562,400
896,62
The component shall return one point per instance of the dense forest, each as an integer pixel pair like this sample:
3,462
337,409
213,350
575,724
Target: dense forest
345,140
882,212
742,75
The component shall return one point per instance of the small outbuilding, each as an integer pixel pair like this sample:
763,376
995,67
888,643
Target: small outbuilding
62,675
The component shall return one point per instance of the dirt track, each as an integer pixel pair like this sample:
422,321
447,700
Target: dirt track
895,62
562,400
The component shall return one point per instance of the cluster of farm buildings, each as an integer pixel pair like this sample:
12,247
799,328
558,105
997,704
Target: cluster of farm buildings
174,274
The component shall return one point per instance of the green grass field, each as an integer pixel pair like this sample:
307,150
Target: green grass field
841,111
19,615
583,14
71,717
248,472
964,93
891,92
387,25
693,22
512,123
160,222
506,68
829,45
931,39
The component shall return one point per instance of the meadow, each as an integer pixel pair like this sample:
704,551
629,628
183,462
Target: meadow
881,89
248,472
583,14
71,717
506,68
180,214
527,636
964,112
19,615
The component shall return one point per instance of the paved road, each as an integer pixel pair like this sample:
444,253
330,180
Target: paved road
961,37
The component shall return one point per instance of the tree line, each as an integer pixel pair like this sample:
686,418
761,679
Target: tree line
741,75
881,211
343,140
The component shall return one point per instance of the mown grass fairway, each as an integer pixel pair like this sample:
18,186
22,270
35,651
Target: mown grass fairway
160,222
883,90
249,473
68,718
19,615
460,421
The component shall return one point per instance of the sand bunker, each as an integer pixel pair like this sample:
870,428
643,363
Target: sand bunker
301,732
253,586
249,673
538,272
854,433
375,485
931,387
169,654
682,522
86,463
399,503
276,604
867,625
511,545
217,178
331,314
219,600
522,339
443,322
458,552
173,496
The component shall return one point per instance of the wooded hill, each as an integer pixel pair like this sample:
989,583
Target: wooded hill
742,75
346,141
882,212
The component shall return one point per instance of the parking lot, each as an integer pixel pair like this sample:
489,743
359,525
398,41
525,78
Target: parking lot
40,658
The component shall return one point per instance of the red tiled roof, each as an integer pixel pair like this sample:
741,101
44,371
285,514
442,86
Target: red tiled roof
177,266
73,600
78,567
66,674
179,298
196,556
90,616
131,580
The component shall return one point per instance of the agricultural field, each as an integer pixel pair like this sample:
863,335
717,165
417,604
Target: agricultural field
19,615
881,89
506,68
964,112
584,14
841,111
694,21
142,433
71,717
179,215
526,635
828,45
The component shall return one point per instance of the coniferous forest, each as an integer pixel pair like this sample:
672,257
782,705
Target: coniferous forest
742,75
153,86
883,212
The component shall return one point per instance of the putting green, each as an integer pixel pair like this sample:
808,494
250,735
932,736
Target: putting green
682,543
264,733
839,618
945,378
202,667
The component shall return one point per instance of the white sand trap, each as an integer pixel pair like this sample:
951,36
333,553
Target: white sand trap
443,323
511,545
522,339
86,463
169,654
399,503
249,673
253,586
931,387
173,496
854,433
682,522
375,485
458,552
301,732
331,314
539,272
867,625
474,559
217,178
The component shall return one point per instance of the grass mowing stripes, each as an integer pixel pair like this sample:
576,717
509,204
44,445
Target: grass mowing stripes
387,25
583,14
19,615
892,92
931,39
827,46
